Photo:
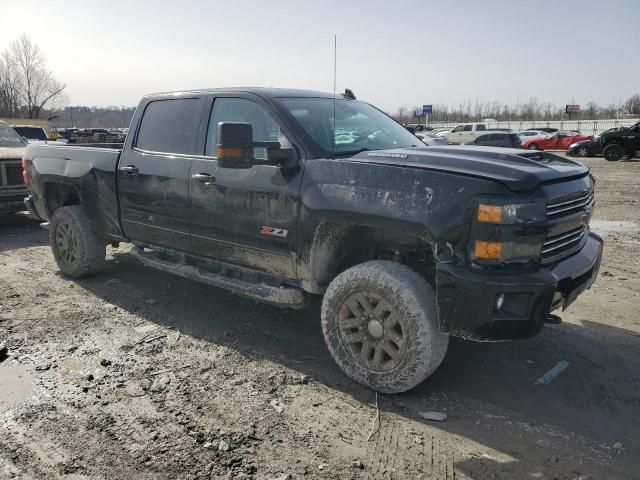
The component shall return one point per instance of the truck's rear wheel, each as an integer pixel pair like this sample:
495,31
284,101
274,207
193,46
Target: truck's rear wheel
76,248
613,152
379,322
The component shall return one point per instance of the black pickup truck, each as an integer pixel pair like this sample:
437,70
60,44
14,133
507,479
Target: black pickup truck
279,195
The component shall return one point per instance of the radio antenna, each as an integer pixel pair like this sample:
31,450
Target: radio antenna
335,63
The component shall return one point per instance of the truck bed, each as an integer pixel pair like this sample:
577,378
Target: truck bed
88,171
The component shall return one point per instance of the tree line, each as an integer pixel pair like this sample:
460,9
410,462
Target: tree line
93,117
532,110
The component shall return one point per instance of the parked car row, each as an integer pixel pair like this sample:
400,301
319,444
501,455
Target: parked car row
614,144
75,135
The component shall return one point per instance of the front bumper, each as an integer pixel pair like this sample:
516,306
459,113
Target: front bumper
466,299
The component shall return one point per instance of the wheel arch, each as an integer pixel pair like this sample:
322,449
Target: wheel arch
58,194
338,246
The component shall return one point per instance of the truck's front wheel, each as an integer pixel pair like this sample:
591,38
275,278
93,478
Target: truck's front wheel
379,322
76,248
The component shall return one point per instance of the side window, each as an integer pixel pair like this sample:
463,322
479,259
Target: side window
468,128
265,128
170,126
458,129
480,128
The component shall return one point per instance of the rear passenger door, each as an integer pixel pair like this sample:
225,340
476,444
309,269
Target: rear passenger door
153,172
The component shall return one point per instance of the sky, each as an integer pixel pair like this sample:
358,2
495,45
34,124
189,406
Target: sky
390,53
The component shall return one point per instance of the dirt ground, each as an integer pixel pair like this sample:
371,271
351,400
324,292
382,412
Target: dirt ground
140,374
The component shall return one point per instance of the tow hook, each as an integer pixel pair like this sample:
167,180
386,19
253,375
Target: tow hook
553,319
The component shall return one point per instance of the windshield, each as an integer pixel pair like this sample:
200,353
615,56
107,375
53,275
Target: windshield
358,125
32,133
9,138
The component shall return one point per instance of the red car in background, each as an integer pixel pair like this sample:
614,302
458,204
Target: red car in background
555,141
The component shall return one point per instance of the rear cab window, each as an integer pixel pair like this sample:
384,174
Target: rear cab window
170,126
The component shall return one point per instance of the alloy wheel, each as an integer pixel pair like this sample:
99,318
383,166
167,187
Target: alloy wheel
66,243
373,330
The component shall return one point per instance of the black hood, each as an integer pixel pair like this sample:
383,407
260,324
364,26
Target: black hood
519,170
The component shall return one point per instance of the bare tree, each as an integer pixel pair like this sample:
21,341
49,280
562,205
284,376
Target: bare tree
632,105
9,87
35,86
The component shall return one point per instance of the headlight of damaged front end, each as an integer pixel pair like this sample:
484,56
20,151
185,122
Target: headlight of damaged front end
507,232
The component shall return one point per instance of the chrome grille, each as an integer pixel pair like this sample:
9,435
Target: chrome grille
568,219
565,242
567,206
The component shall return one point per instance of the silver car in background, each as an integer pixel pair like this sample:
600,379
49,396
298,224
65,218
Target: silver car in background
431,139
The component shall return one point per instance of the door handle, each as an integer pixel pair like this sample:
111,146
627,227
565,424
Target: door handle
205,178
129,169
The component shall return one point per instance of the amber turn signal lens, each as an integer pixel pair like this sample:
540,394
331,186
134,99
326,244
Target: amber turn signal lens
489,213
487,250
230,152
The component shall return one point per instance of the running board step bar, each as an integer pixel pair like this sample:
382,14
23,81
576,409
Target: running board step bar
290,297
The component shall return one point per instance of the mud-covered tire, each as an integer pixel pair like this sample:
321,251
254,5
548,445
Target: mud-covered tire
413,301
613,152
76,248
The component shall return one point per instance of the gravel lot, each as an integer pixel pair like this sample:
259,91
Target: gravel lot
140,374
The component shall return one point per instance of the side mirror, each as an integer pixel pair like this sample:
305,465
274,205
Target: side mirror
411,129
235,148
235,145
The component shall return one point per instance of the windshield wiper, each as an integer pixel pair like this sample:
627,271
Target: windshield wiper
351,152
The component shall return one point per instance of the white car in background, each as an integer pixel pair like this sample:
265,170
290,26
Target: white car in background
439,130
431,139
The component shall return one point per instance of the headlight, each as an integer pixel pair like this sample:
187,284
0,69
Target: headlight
508,233
501,252
572,145
512,213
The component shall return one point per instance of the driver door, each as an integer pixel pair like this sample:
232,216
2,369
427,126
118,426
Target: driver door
245,216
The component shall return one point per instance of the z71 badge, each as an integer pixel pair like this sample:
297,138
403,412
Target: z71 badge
276,232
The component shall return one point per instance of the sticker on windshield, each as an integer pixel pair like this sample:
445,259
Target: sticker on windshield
387,155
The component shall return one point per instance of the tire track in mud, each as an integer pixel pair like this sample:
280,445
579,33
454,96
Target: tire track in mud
400,453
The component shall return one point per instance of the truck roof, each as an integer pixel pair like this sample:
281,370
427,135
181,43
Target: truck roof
262,91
